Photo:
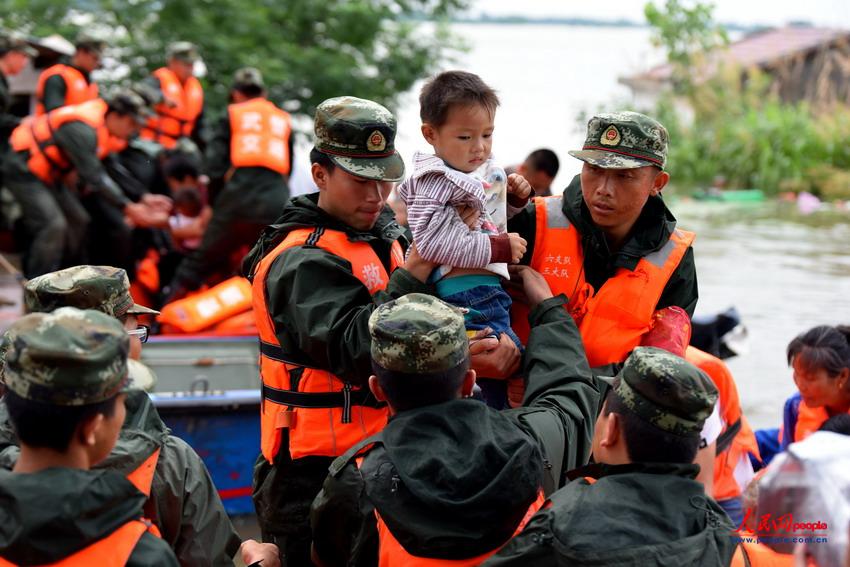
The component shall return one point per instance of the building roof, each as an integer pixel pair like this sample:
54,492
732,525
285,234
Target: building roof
761,49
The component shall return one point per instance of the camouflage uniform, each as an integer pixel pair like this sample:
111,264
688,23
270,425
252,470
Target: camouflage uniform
452,480
245,201
55,90
663,516
55,216
621,140
322,309
68,358
8,121
184,503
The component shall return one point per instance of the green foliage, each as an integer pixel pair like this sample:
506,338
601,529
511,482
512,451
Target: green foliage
686,31
308,50
735,127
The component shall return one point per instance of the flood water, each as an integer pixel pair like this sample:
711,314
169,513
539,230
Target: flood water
784,273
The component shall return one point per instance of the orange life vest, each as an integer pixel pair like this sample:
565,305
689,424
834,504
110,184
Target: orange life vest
177,114
115,549
613,318
324,415
48,161
737,438
112,551
259,135
77,88
809,420
391,553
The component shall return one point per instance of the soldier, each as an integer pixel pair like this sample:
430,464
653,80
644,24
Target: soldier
451,478
65,373
640,503
610,225
64,147
14,54
318,274
182,500
179,113
64,85
249,160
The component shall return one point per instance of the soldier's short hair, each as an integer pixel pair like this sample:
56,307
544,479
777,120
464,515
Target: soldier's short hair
454,88
50,426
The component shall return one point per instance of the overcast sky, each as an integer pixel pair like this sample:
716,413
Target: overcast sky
831,13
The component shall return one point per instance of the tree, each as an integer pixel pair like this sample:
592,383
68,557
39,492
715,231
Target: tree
308,50
687,32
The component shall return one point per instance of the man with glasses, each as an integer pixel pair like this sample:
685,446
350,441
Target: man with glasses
183,502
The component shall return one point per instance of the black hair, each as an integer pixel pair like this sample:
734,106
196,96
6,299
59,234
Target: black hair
251,91
322,159
409,391
647,443
190,198
822,347
544,160
454,88
839,423
50,426
180,167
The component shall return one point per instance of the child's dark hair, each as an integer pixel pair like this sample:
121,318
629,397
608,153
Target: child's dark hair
454,88
180,167
46,425
822,347
189,199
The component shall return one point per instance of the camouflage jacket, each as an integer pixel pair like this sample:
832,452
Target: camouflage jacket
319,308
639,515
651,232
184,503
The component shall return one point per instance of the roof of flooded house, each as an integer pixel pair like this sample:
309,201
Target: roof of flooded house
761,48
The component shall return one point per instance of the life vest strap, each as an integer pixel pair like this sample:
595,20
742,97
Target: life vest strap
321,400
724,441
277,353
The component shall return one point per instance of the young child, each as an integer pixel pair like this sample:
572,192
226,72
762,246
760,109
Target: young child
457,206
189,219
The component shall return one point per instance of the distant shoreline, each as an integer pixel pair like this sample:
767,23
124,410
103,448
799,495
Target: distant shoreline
583,22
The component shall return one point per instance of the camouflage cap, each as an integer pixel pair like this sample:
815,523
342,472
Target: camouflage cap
666,390
13,41
624,140
418,334
103,288
128,101
69,357
248,77
90,43
358,135
182,50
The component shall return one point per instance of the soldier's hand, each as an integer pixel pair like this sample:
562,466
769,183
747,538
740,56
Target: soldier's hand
157,202
143,216
492,358
469,215
534,286
519,186
261,554
418,266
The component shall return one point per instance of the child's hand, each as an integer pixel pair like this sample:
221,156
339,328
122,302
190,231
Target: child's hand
518,244
517,185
